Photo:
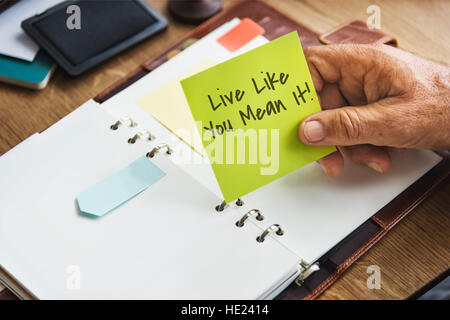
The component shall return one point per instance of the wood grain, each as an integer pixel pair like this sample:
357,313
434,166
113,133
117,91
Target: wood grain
409,256
412,254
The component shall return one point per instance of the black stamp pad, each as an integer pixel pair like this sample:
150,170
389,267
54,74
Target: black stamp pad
102,29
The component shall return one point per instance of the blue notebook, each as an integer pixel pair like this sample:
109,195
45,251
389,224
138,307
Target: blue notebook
34,75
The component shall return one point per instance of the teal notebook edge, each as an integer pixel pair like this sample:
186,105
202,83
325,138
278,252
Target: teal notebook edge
34,74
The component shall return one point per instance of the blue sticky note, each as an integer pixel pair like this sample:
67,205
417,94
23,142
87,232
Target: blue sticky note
118,188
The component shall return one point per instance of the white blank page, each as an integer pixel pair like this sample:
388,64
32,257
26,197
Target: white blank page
14,42
167,242
317,211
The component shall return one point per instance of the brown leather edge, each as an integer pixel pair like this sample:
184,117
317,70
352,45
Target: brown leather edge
203,29
7,295
120,84
416,191
148,65
210,24
220,18
27,294
436,177
383,37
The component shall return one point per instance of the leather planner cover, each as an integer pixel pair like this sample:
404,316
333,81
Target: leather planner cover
344,254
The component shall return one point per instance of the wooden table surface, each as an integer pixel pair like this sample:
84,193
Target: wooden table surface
414,253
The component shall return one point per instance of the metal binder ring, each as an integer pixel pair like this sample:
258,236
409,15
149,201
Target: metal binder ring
273,228
222,206
140,134
252,212
124,120
156,149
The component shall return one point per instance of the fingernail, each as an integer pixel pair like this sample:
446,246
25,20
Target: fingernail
375,166
314,131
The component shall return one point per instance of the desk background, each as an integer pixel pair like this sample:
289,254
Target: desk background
414,253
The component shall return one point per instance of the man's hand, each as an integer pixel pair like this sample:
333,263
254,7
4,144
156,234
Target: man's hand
375,96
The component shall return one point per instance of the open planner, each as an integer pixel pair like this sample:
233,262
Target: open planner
170,241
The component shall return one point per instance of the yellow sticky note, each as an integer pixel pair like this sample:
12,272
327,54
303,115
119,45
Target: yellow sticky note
168,105
250,108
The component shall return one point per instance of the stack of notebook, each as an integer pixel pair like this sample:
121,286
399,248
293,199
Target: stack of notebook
21,61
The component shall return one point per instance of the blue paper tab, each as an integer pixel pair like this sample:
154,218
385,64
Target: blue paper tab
110,193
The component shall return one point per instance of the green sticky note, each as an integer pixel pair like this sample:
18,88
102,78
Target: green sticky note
248,110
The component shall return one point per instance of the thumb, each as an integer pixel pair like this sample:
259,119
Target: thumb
371,124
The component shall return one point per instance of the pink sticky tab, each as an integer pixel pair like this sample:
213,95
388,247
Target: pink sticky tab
240,35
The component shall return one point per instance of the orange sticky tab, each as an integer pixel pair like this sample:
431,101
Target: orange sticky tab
240,35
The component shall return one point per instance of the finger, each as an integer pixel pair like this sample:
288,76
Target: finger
316,77
376,158
324,63
375,124
363,73
328,93
393,150
343,66
330,97
332,164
